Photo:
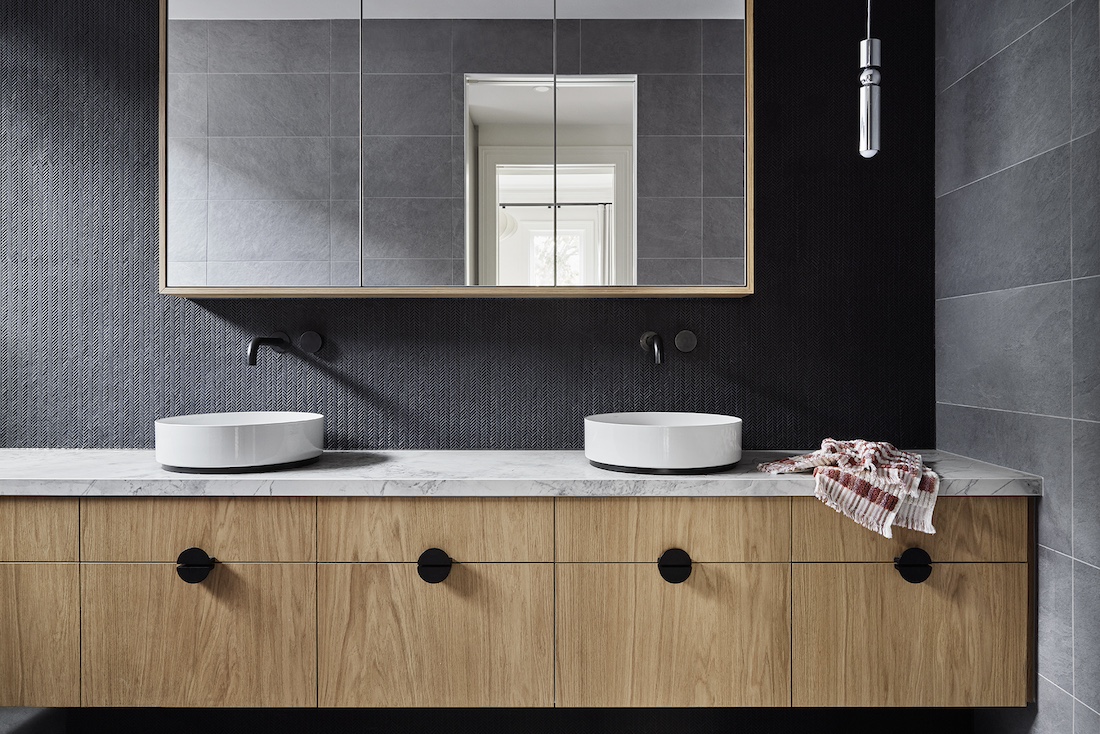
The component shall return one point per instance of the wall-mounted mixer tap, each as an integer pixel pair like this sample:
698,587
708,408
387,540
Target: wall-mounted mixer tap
651,342
278,343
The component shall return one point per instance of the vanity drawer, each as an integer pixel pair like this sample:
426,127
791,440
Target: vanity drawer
248,529
469,530
968,529
640,529
38,529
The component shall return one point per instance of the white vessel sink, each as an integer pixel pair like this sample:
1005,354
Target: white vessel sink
662,443
239,442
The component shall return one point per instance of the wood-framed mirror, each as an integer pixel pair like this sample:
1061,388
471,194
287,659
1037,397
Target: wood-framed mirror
469,148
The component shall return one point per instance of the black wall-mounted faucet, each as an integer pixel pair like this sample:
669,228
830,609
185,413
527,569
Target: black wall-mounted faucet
278,343
651,342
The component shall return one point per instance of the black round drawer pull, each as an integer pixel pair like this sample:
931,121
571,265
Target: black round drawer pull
914,565
674,566
434,565
194,565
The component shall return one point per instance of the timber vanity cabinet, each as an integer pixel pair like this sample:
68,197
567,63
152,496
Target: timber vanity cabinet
535,602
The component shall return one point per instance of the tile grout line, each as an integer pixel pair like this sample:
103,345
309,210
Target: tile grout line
1069,556
1002,170
1016,412
998,290
1072,426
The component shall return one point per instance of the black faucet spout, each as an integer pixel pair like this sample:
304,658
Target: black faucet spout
651,342
275,342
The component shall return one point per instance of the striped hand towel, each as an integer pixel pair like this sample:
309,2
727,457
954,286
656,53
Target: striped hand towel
871,482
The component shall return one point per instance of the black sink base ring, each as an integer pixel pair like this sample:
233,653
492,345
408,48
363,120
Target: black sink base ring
242,469
681,472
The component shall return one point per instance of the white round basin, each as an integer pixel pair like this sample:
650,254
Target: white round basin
239,442
662,443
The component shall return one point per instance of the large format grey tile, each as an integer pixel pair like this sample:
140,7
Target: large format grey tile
268,104
458,229
669,104
269,168
670,271
1012,107
406,46
724,227
187,46
267,230
1086,205
344,92
345,46
503,46
723,44
669,166
269,46
407,228
1056,618
1085,720
640,47
298,274
407,166
724,166
345,274
1086,349
1028,443
1086,492
344,181
1008,230
1007,349
186,105
969,33
344,231
186,231
723,104
724,271
1085,75
568,33
187,163
1052,714
407,104
406,273
669,228
1086,634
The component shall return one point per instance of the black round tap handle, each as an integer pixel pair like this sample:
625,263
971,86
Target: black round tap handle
674,565
434,565
914,565
194,565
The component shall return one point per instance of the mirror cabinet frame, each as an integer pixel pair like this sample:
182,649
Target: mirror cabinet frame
459,291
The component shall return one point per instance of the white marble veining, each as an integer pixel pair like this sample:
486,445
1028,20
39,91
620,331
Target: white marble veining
105,472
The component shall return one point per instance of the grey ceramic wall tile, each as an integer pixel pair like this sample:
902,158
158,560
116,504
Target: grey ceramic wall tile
269,168
723,104
1086,205
723,166
1086,349
407,104
268,104
669,272
458,272
569,46
267,230
458,167
344,231
187,46
724,271
406,273
1028,443
1086,634
184,275
406,46
458,229
1056,618
345,46
724,227
723,44
1008,349
407,228
298,274
1086,492
458,105
407,167
186,105
345,274
344,94
1085,720
1012,107
1085,76
344,181
187,173
503,46
669,104
640,47
669,228
1052,714
969,33
186,231
669,166
269,46
1007,230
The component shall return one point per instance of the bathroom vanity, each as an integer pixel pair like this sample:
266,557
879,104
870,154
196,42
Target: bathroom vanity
547,591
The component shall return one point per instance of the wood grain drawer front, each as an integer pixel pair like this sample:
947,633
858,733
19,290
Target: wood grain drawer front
39,634
245,637
863,636
626,637
38,529
470,530
482,637
230,529
968,529
640,529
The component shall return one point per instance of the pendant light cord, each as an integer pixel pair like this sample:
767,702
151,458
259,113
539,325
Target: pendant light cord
868,18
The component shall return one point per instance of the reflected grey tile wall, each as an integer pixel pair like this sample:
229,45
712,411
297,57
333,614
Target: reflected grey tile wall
263,127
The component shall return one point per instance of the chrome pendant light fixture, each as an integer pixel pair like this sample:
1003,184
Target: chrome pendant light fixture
870,59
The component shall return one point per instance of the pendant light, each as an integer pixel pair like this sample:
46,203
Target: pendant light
870,59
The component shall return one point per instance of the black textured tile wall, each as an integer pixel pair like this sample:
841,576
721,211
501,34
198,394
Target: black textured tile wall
837,341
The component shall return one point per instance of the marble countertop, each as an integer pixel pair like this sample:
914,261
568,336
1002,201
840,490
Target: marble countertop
135,473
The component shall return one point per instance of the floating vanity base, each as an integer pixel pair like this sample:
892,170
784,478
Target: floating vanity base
667,472
242,469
